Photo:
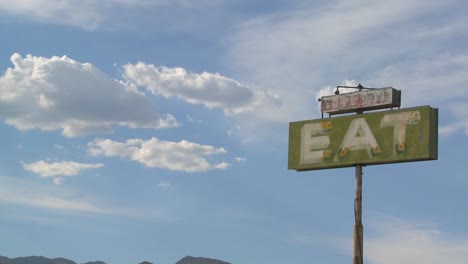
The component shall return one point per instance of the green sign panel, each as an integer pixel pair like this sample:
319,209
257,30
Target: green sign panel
392,136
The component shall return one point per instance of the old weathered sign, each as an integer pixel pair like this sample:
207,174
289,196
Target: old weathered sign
375,138
362,99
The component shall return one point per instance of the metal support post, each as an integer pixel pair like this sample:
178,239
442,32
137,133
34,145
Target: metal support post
358,237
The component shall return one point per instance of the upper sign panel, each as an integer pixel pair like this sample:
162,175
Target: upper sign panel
375,138
361,100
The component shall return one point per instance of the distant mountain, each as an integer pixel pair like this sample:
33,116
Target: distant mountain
35,260
44,260
199,260
5,260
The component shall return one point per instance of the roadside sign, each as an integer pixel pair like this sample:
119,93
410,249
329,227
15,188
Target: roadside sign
382,137
363,100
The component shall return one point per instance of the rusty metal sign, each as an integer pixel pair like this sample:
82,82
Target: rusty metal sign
373,138
361,100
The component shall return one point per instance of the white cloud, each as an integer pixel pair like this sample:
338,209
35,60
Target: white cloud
93,15
60,93
179,156
191,120
460,111
71,13
240,159
436,79
89,14
394,240
19,192
164,184
406,242
58,181
298,52
63,200
58,146
64,168
209,89
452,28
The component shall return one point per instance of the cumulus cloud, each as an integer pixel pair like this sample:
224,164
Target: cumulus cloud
209,89
178,156
64,168
58,169
77,98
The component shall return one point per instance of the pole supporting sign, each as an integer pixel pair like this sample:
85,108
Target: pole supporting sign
392,136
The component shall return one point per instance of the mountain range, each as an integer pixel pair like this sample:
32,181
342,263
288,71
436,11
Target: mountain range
44,260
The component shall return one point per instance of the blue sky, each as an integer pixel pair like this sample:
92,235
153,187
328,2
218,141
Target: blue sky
156,129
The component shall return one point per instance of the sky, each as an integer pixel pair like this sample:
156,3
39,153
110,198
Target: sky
156,129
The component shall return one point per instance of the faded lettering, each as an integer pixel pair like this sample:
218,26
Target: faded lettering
398,122
314,142
358,137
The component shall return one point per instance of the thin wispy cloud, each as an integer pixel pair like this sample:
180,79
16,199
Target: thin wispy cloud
89,15
164,184
396,240
405,242
241,159
19,192
460,111
62,200
105,15
298,52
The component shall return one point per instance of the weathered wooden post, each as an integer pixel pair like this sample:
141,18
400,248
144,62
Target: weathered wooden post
358,237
